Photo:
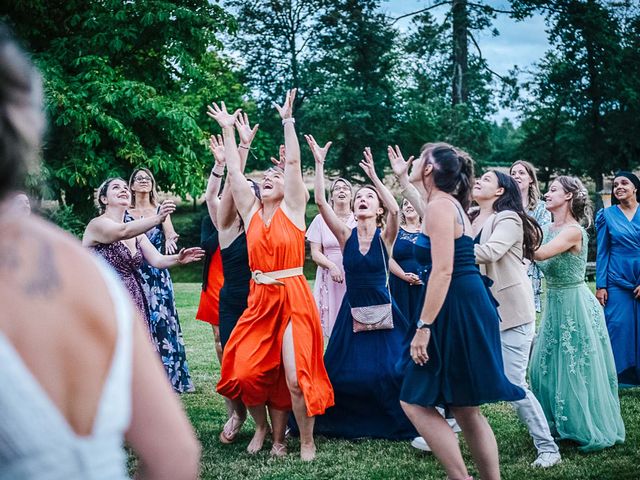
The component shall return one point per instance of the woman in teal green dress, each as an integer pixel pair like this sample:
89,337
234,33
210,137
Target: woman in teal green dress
573,373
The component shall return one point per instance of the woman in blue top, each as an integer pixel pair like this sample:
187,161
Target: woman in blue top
618,274
456,355
362,365
405,283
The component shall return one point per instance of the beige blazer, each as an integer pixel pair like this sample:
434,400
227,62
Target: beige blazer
499,255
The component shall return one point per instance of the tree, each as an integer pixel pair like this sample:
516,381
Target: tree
126,84
351,89
579,88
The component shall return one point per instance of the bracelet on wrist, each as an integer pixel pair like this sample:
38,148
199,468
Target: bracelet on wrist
244,146
288,120
216,174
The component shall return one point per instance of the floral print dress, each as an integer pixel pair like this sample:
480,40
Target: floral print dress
163,316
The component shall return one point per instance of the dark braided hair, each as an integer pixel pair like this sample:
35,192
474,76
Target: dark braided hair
452,170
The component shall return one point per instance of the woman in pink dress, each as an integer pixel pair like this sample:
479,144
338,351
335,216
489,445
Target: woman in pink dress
330,288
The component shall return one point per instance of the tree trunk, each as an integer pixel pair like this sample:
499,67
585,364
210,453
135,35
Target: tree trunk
460,51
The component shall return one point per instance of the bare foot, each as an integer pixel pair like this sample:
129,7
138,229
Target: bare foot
278,450
307,452
255,445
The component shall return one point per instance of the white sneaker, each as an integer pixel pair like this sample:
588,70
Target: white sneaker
421,444
454,425
546,460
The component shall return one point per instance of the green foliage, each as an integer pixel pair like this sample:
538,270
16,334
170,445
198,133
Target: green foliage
65,218
126,84
583,109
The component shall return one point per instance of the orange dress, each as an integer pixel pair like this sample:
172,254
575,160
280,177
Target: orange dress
209,307
252,368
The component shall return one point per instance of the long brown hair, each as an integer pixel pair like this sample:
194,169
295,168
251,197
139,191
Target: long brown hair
153,194
533,194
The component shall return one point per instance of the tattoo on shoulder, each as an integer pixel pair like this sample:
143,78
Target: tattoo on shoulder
45,279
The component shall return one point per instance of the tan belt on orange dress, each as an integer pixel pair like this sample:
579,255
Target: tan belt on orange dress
271,278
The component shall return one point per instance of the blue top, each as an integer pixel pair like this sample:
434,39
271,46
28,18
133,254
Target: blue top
618,256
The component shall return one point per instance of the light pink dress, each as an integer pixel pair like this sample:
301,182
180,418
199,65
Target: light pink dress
328,294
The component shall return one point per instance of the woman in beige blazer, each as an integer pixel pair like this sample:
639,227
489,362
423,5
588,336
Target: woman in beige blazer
505,237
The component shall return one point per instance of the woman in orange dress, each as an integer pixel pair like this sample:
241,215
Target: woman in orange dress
274,354
212,280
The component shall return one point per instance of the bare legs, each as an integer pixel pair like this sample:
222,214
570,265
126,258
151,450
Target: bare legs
477,432
480,439
305,423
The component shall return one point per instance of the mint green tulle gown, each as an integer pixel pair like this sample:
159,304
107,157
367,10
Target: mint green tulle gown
572,371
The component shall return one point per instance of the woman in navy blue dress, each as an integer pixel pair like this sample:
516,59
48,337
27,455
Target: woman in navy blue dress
405,283
456,358
361,365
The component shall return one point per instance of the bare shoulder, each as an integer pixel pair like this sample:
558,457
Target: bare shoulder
69,265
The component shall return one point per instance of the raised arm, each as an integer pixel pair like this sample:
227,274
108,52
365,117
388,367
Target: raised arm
104,230
337,226
295,199
216,146
393,224
400,169
227,211
507,231
567,239
246,202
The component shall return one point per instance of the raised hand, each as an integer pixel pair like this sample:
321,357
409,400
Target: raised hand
171,244
245,132
286,110
281,162
216,145
399,166
319,153
367,165
221,115
189,255
166,208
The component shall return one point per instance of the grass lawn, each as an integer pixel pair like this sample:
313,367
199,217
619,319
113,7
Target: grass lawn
375,459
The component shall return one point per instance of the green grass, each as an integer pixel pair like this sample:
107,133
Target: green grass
375,459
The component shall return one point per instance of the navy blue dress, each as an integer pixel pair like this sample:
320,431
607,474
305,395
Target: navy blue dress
235,289
362,366
407,297
465,356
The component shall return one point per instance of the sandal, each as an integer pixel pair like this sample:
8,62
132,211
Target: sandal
278,450
231,429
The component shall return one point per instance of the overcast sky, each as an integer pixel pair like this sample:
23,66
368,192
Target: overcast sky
519,43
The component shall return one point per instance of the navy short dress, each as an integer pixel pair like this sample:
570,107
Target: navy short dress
465,355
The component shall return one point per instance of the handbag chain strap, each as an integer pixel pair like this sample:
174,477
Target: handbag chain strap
384,262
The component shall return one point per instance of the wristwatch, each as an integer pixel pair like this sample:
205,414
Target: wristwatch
421,325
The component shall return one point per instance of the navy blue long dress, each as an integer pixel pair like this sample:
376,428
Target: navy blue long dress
362,366
465,356
408,297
